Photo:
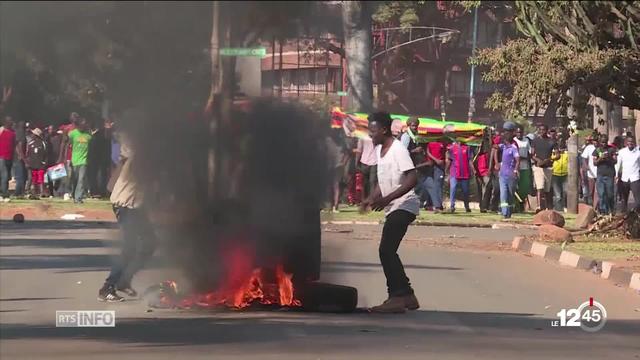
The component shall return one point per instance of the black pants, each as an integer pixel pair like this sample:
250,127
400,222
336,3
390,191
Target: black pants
624,188
98,178
395,226
494,204
138,245
485,191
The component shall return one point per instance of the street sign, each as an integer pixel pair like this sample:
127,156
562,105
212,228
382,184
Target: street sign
342,93
257,52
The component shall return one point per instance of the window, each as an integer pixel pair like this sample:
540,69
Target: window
459,84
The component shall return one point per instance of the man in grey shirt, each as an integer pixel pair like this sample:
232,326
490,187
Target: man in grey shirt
139,240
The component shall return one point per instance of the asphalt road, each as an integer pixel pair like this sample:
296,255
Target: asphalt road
476,304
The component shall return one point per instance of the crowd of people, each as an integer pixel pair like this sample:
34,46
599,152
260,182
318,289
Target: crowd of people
72,161
507,169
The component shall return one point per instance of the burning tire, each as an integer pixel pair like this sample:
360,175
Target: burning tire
323,297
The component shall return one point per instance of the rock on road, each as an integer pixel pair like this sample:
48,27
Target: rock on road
475,304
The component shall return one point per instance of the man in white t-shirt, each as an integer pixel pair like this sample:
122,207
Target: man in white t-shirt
395,194
590,171
629,173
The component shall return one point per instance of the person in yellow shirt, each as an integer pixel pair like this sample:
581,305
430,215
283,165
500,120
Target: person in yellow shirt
560,170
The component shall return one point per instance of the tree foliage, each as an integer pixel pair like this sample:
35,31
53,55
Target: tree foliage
62,57
528,75
582,24
402,13
588,44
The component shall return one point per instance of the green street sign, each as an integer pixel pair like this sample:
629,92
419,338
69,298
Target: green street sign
257,52
342,93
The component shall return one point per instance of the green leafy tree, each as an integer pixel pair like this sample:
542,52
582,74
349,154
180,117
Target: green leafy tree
591,45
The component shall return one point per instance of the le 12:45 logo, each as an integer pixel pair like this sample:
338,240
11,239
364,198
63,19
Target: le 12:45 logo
590,316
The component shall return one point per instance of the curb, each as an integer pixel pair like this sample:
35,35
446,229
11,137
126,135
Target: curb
425,223
605,269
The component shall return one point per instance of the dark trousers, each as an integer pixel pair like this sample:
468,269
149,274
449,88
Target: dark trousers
395,227
98,175
138,245
21,177
494,204
559,185
5,175
453,185
433,184
485,191
624,188
606,195
80,181
55,187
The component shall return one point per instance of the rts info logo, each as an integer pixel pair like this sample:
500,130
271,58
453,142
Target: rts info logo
590,316
86,318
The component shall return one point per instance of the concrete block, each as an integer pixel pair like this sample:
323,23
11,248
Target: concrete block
635,281
607,266
539,249
569,259
576,261
521,244
620,276
553,253
515,244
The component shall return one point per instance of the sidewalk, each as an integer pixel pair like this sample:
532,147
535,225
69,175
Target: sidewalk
351,215
618,272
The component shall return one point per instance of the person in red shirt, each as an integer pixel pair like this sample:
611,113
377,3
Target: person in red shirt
7,146
435,179
483,175
459,163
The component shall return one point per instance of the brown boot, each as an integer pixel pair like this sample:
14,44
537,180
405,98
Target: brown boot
393,305
411,302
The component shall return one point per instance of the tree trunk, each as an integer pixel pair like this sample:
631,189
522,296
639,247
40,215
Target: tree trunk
636,116
216,77
356,19
218,108
573,178
600,115
615,121
215,57
551,111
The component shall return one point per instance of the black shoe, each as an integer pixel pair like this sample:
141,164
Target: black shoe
452,210
468,210
128,290
108,294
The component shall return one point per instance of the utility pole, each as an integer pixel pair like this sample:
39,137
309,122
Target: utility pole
573,179
472,101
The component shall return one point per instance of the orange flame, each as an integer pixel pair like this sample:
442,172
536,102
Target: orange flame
239,294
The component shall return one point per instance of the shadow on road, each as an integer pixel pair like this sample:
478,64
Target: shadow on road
377,266
277,327
59,243
80,262
57,225
35,299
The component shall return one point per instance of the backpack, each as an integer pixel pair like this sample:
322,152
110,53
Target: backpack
36,153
